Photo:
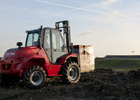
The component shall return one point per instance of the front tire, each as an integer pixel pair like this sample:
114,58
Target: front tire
71,73
34,77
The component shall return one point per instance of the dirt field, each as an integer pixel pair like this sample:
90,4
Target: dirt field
102,84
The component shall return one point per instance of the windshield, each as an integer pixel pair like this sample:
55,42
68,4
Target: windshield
32,39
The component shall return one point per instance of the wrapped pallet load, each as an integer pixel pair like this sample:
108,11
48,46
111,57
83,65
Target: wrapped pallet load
86,55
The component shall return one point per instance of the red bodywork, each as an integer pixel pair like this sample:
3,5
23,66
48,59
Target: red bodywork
15,63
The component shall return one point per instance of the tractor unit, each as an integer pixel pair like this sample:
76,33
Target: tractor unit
48,52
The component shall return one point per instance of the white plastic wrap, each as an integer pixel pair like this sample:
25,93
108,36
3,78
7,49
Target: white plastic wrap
86,57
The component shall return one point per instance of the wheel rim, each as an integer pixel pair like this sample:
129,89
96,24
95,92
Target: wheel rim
36,78
73,73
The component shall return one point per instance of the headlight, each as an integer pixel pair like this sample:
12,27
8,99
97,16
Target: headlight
21,58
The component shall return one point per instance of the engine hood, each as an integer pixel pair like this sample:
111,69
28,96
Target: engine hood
14,49
14,53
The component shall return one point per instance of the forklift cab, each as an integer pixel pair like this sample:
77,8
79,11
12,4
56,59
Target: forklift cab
50,40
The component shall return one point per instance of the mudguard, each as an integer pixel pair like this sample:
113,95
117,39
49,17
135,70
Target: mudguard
30,61
64,58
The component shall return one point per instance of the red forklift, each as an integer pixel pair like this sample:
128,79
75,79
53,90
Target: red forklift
47,53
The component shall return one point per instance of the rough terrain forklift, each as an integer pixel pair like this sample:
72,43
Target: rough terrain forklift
47,53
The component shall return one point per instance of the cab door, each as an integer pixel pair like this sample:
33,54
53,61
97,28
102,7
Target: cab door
47,43
58,45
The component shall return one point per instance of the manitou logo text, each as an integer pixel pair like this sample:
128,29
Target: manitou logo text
10,54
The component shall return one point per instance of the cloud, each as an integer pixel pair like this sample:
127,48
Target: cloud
136,13
89,10
102,3
119,17
56,14
14,8
90,33
114,13
118,13
78,8
80,2
108,2
121,39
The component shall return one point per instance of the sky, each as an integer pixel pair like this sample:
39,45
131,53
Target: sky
111,26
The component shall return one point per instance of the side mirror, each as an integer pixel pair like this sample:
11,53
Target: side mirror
19,44
40,38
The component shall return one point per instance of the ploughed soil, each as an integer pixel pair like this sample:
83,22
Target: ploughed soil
101,84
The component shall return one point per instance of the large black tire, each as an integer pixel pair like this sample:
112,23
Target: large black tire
71,73
34,77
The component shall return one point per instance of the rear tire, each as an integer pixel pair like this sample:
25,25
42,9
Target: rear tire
34,77
71,73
